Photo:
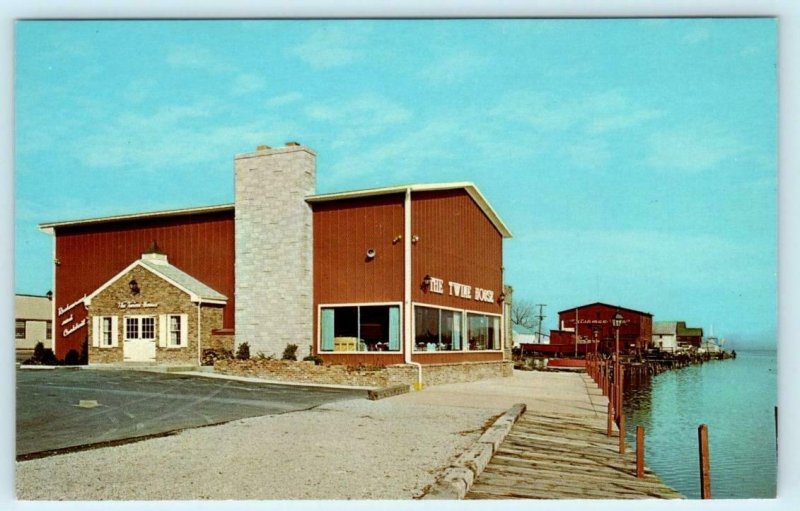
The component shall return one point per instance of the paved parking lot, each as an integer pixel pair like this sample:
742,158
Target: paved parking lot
136,404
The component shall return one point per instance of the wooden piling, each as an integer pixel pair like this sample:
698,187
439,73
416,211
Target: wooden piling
705,464
610,418
640,452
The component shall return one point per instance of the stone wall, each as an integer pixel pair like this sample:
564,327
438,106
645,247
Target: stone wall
368,376
274,249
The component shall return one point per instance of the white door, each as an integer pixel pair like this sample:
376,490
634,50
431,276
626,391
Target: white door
140,339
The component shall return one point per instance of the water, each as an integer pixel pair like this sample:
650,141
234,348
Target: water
736,399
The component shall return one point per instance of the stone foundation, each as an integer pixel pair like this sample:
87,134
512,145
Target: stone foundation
365,376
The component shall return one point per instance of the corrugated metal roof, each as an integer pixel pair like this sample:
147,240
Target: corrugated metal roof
470,188
182,279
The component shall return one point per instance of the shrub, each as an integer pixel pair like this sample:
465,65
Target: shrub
243,351
290,352
261,356
212,355
314,358
73,358
42,356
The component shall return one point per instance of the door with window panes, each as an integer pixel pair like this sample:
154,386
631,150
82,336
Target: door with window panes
139,335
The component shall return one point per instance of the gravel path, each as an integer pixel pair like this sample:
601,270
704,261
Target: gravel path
358,449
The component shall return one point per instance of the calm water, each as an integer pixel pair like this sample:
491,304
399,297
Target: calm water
736,399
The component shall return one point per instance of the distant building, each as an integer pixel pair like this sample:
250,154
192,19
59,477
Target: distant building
665,335
689,336
33,322
521,334
595,327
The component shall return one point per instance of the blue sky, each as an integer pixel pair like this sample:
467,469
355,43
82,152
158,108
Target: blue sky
635,161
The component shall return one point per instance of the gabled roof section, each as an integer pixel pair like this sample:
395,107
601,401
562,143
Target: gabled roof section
609,306
470,188
665,327
50,227
157,264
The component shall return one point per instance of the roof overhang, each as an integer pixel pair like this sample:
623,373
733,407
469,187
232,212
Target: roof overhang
50,227
470,188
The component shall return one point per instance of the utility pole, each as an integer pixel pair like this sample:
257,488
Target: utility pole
541,317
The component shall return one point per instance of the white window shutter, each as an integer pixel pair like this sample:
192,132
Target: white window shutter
163,330
96,333
114,331
184,330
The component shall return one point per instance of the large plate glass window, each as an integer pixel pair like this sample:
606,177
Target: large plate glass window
483,332
436,329
360,328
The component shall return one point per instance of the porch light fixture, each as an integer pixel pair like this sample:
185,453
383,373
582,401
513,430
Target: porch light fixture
501,298
134,286
371,253
426,282
49,295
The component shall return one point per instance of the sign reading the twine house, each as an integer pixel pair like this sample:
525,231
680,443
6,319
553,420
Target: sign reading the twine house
462,290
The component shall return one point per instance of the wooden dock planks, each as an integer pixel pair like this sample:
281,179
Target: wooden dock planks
564,457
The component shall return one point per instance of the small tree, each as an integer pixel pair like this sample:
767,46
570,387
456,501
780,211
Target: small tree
523,314
243,351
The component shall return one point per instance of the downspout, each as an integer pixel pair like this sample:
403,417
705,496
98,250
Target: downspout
407,293
199,350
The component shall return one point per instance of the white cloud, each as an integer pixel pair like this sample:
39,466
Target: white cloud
696,35
247,83
284,99
194,57
693,148
453,68
331,46
590,154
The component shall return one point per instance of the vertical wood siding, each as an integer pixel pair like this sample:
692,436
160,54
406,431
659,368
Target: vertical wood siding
202,245
458,243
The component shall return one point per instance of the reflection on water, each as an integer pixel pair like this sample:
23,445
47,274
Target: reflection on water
736,399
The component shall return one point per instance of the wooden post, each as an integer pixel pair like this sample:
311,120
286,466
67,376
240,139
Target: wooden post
640,452
610,418
621,414
705,464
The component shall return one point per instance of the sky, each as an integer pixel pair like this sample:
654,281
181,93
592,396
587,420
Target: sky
634,160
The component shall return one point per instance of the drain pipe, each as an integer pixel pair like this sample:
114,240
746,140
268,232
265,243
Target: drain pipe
407,294
199,349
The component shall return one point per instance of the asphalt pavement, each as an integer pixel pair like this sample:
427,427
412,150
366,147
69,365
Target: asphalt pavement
134,404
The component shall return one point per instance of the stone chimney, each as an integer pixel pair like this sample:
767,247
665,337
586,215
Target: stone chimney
274,248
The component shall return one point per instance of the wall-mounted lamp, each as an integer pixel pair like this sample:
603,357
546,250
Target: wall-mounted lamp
57,261
426,282
49,295
501,298
371,253
414,238
397,239
134,287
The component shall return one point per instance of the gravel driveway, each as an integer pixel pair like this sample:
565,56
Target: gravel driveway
388,449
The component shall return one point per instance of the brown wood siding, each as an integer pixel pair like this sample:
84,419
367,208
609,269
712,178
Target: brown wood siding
202,245
637,328
457,243
343,232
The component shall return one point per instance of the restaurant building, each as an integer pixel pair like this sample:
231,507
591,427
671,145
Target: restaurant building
594,326
397,275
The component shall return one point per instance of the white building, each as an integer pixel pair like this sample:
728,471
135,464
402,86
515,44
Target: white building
665,335
33,323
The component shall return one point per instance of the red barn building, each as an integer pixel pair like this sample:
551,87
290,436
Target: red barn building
594,325
407,274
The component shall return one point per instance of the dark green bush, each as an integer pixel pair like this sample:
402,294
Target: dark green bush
243,351
290,352
314,358
42,356
73,358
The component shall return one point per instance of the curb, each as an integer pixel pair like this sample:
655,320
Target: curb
457,479
383,393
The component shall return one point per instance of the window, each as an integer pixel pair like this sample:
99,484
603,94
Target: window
174,330
436,329
19,330
49,330
483,332
140,327
360,328
104,331
106,338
